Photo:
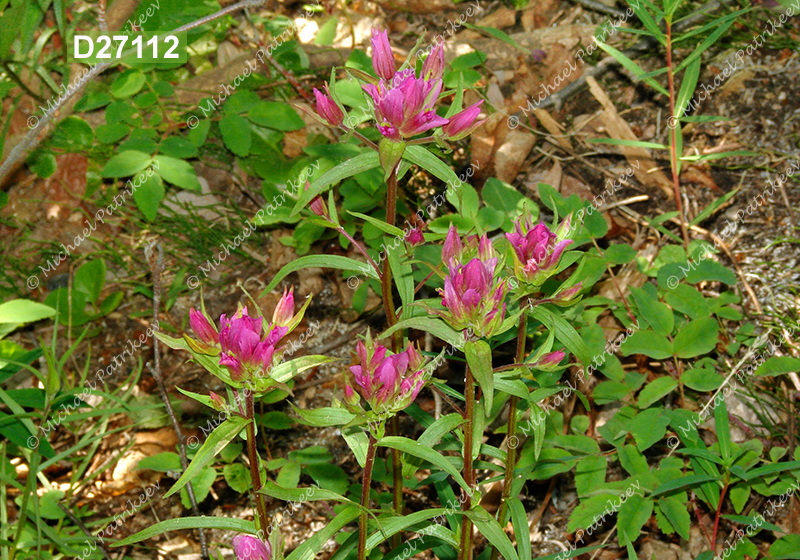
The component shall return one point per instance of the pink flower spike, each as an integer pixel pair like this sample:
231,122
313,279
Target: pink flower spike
247,547
382,57
327,107
461,124
203,328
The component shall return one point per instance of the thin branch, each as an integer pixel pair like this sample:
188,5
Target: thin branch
34,137
155,257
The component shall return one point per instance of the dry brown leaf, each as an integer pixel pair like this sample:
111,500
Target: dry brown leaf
645,168
512,154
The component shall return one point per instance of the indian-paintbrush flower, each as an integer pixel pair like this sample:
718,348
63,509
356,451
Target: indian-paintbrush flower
243,349
537,249
388,382
473,296
414,237
247,547
404,104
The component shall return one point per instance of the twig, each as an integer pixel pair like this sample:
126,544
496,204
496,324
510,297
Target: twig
156,262
32,139
85,530
101,16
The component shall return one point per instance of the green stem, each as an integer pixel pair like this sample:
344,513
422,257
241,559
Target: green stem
512,431
366,481
673,147
465,553
397,344
252,453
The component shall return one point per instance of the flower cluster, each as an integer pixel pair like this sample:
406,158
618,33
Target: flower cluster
245,345
404,104
388,382
473,295
537,250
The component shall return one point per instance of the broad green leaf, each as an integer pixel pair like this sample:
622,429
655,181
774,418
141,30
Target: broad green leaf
148,196
633,514
183,523
590,474
128,83
696,338
322,261
656,390
237,476
479,360
19,311
648,343
217,440
418,450
677,514
236,134
657,314
778,365
90,279
275,115
648,427
125,164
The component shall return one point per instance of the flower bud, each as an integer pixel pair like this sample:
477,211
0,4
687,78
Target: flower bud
284,311
463,123
382,57
414,237
433,68
203,328
327,107
217,402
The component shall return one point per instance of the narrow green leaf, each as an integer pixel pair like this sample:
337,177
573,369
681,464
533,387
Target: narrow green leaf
428,324
394,525
490,528
632,66
309,494
519,519
322,261
324,417
418,450
430,437
309,549
688,85
711,208
183,523
684,482
565,332
380,224
479,359
353,166
632,143
497,34
219,438
401,274
429,162
723,426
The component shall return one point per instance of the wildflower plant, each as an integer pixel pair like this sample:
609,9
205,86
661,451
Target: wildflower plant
484,288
